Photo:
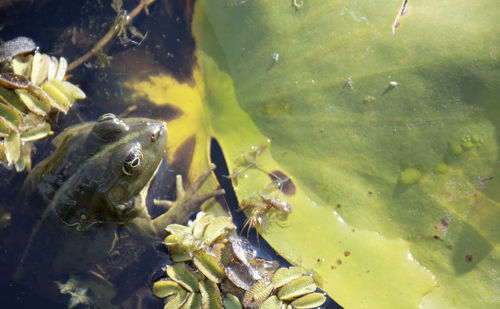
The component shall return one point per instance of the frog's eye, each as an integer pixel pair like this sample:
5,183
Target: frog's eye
107,116
109,127
133,162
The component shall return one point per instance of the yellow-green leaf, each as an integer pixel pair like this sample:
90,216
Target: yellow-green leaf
363,101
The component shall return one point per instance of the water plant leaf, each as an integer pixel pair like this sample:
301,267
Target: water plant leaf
386,120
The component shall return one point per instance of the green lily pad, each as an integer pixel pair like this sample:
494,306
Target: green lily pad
385,120
390,139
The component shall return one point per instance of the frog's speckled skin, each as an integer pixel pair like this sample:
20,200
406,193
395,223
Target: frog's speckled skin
89,195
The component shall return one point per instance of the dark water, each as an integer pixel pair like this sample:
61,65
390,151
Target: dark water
69,29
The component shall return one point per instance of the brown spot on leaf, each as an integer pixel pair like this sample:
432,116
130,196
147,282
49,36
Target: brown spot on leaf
347,253
469,258
353,230
184,156
286,184
338,205
370,192
444,223
165,111
339,262
333,267
436,237
170,111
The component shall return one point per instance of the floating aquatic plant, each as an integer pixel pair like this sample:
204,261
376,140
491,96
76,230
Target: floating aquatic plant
31,86
214,268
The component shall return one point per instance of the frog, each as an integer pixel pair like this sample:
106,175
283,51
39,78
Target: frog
88,199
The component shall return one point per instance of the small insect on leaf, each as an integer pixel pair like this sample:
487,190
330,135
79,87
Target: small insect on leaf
277,204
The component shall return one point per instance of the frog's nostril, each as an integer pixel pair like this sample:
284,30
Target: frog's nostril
154,136
158,132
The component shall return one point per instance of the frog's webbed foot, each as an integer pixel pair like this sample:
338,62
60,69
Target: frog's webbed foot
187,201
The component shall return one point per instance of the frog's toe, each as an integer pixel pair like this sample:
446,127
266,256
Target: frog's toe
193,191
166,204
196,185
215,193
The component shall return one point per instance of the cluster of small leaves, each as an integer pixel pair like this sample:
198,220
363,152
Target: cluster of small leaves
31,86
214,268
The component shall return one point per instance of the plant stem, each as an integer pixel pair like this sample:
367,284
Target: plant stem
110,35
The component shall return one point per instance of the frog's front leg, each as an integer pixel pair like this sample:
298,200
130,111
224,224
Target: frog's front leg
187,202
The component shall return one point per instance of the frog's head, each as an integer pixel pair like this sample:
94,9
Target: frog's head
110,166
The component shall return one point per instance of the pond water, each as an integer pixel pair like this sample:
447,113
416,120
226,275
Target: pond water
69,29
